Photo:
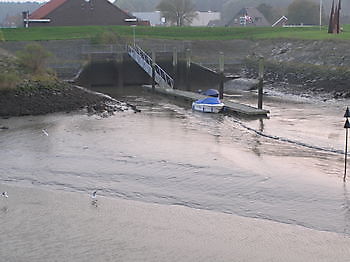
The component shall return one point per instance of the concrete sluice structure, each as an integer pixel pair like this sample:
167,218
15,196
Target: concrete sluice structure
121,70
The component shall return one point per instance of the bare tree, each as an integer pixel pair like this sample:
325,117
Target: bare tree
303,11
179,12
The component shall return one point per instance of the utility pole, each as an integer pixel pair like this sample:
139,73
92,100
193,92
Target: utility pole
320,14
134,34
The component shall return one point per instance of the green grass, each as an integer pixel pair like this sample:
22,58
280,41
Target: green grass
184,33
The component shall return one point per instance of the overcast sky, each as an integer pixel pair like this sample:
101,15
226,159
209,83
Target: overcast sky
7,1
38,1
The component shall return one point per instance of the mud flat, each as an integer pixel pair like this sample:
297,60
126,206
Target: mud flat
43,225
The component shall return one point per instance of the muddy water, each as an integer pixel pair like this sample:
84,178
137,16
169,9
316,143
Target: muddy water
287,168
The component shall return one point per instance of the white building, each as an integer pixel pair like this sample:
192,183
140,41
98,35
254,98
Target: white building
203,18
156,18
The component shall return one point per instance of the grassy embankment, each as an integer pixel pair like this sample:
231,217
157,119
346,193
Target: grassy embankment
25,70
183,33
28,87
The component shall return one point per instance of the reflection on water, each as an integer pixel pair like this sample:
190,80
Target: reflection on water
168,154
346,208
257,138
4,209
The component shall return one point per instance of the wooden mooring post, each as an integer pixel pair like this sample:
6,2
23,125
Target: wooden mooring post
175,67
188,69
221,69
153,69
261,83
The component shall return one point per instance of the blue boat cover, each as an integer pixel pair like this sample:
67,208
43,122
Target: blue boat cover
211,92
209,100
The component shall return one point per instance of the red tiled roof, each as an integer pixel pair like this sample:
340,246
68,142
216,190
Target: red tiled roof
45,9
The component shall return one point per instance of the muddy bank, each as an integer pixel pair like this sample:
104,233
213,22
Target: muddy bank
298,79
35,98
126,230
298,67
23,93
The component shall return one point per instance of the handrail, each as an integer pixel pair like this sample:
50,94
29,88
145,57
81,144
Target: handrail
145,61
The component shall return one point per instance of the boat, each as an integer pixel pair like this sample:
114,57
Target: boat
211,92
208,105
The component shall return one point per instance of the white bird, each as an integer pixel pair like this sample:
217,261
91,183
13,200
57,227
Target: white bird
4,194
93,195
45,132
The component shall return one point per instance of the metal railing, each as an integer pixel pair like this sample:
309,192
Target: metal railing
145,61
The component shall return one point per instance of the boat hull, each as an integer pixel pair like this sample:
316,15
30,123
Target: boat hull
207,108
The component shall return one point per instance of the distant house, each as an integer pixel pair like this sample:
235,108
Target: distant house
154,18
216,23
280,22
204,18
12,21
78,13
248,16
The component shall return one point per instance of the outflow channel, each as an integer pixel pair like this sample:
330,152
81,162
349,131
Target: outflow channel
170,155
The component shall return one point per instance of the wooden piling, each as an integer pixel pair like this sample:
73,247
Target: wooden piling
221,68
188,69
175,67
261,83
153,69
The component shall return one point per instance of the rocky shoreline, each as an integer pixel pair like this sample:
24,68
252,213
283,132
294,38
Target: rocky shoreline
298,67
326,83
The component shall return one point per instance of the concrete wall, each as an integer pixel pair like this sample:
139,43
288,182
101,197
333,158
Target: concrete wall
110,73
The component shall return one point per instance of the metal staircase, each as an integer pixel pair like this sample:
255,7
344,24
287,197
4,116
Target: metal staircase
143,60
